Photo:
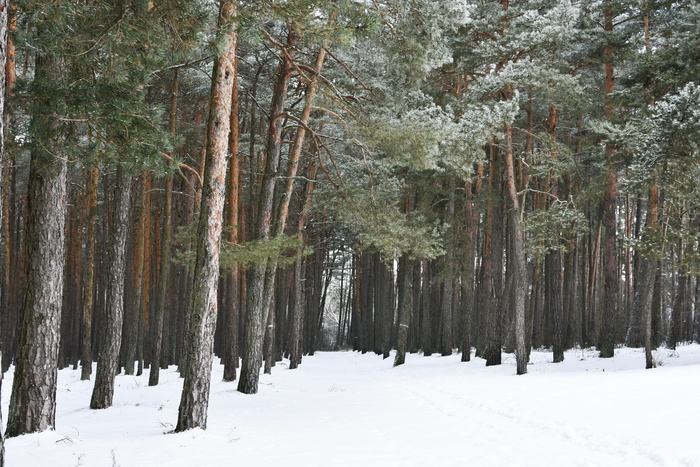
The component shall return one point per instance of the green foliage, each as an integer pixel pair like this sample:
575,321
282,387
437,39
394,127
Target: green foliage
677,119
370,203
101,57
283,249
554,228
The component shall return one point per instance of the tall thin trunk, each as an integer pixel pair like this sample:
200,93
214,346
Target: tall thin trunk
108,355
2,435
519,263
492,267
644,295
164,271
232,310
92,179
260,281
143,312
696,308
679,302
292,168
405,307
7,244
606,342
426,327
137,278
468,273
298,307
446,334
356,326
4,54
554,266
200,339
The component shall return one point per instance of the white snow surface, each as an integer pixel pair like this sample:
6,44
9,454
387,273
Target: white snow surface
349,409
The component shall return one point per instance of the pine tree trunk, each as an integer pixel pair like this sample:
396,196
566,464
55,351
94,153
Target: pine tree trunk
640,322
3,55
355,324
492,268
606,343
554,264
696,309
657,311
367,305
519,262
405,307
162,300
676,334
446,334
256,313
468,271
298,307
33,398
143,312
295,338
232,301
92,179
387,298
137,280
7,317
162,287
559,321
200,339
269,342
108,355
426,328
2,435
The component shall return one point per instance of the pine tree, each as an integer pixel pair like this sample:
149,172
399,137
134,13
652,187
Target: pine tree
108,355
200,340
33,399
3,57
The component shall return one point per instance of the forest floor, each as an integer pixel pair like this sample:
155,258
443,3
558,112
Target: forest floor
348,409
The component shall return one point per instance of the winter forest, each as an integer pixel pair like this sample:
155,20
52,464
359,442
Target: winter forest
250,182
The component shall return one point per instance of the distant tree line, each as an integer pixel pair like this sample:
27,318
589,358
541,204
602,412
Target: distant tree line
260,180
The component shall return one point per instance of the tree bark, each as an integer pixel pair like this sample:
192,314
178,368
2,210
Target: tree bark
33,398
606,342
676,330
164,272
640,320
258,303
137,279
200,340
232,301
108,355
426,328
554,264
492,266
696,316
3,56
468,273
298,308
519,263
405,307
92,179
2,435
143,312
446,334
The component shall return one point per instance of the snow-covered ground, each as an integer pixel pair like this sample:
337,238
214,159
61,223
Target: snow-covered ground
347,409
